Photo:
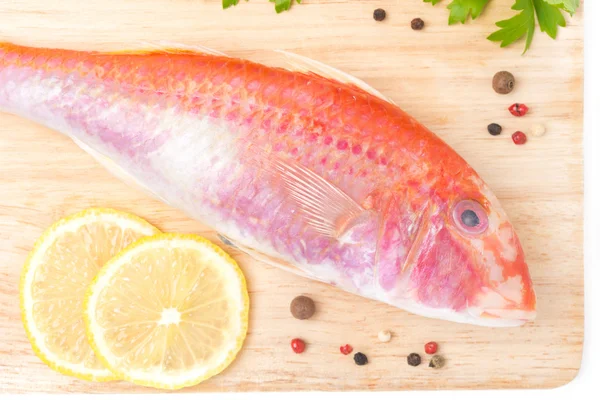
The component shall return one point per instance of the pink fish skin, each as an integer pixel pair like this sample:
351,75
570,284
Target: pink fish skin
316,174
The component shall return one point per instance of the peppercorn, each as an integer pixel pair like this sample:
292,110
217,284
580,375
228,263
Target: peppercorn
431,347
519,137
494,129
302,307
518,110
437,362
503,82
417,24
346,349
379,14
298,345
538,130
384,336
413,359
360,359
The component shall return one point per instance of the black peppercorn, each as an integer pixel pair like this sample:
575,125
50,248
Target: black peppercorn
413,359
494,129
360,359
503,82
437,362
417,24
379,14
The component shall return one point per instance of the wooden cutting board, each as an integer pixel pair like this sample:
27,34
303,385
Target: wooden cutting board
442,76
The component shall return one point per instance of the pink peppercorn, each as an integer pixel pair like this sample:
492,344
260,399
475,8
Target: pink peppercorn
518,110
519,137
298,345
431,348
346,349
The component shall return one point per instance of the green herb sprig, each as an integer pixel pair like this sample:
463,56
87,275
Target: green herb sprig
548,12
549,15
280,5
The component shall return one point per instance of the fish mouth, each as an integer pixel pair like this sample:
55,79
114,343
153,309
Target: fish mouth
503,312
508,314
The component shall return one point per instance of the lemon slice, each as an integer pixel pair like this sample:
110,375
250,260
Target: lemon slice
56,275
169,311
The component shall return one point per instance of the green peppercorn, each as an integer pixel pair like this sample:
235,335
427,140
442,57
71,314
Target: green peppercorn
413,359
437,362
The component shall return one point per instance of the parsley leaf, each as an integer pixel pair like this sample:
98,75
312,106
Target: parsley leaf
229,3
549,17
569,6
283,5
460,10
548,13
280,5
516,27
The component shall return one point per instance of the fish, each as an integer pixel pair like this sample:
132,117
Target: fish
301,166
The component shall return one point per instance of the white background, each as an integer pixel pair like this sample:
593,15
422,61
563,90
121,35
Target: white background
589,375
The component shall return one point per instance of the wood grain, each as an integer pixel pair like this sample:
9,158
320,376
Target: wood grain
442,76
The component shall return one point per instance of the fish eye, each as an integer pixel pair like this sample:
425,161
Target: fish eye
470,217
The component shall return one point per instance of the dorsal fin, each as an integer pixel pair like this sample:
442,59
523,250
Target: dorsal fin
308,65
175,48
293,61
166,47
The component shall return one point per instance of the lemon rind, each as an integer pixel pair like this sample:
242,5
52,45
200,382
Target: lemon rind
156,383
40,246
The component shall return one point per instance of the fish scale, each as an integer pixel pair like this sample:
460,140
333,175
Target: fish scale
305,168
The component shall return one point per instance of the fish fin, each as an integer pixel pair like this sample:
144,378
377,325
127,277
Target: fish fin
420,235
308,65
116,170
325,207
226,240
272,261
166,47
354,225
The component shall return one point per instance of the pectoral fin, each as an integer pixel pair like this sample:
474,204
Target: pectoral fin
324,207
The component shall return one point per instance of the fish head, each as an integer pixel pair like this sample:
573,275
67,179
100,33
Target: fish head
468,264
